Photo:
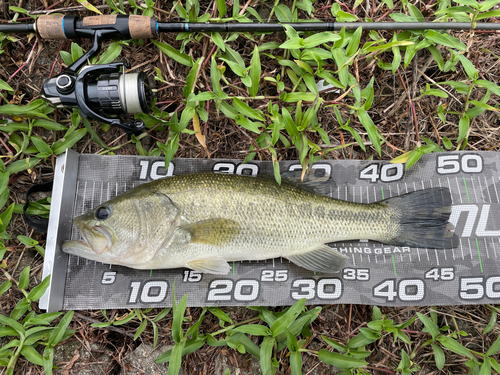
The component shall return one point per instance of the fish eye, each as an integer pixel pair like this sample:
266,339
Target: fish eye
102,213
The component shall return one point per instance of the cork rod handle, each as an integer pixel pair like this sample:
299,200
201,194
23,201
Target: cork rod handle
63,27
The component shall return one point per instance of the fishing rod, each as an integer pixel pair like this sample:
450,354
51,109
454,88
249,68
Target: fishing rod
105,93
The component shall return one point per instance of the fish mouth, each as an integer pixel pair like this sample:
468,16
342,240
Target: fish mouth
96,239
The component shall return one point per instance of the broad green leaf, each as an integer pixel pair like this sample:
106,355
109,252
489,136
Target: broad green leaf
414,156
445,40
294,97
18,10
371,129
246,110
48,359
339,360
9,322
191,79
254,330
234,56
453,345
430,326
293,43
111,53
346,17
463,127
266,353
248,124
217,39
174,365
469,67
353,45
255,72
58,332
5,86
141,329
32,355
485,367
494,348
5,286
283,13
486,84
5,217
89,6
171,52
451,10
415,13
383,47
493,13
437,57
41,145
491,324
178,317
317,39
215,77
221,8
284,321
399,17
24,280
483,105
68,141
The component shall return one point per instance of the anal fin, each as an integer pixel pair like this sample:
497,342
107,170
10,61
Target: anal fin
215,265
321,259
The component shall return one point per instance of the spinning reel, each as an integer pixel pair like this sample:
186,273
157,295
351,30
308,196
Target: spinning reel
101,92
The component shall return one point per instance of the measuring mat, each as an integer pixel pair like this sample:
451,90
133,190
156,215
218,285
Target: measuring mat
376,274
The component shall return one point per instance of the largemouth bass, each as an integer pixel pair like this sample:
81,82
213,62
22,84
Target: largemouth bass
202,221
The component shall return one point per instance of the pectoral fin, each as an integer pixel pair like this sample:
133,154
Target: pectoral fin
214,265
212,231
320,259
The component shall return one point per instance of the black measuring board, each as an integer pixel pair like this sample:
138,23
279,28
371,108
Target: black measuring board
376,274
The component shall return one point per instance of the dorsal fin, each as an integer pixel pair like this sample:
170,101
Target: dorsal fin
315,181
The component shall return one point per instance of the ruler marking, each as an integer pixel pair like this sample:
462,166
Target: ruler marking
481,188
458,189
353,260
495,186
479,255
494,247
486,247
393,264
382,189
461,248
466,190
385,260
418,254
437,256
427,252
487,188
374,194
470,248
474,188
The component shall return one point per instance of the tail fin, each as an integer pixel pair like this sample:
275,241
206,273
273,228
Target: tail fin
423,219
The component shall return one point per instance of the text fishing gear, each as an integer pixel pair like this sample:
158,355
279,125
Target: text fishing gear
106,93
